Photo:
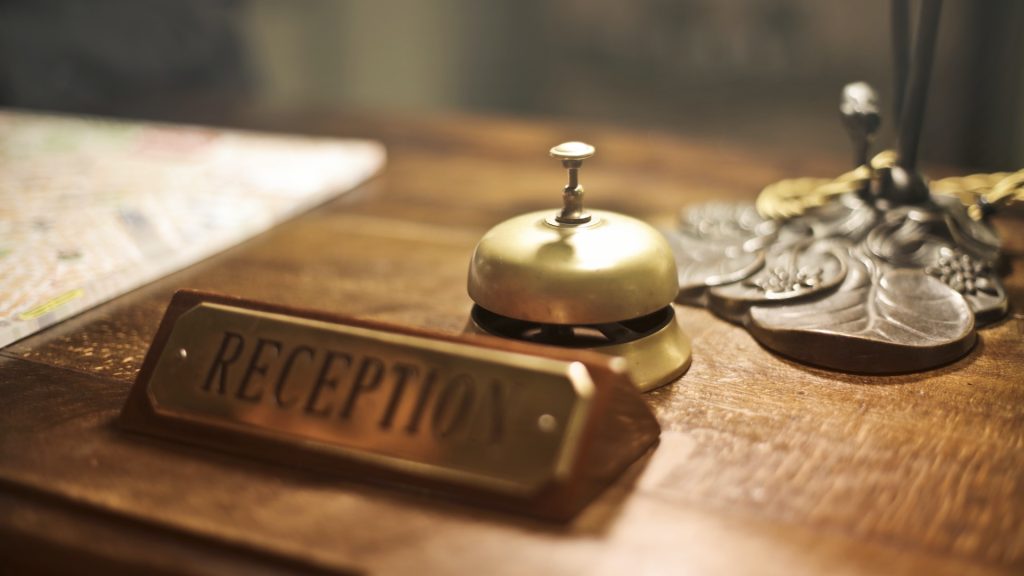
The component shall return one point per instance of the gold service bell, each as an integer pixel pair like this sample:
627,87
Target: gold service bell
582,279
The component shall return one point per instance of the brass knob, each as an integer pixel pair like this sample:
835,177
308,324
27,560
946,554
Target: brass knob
572,155
859,109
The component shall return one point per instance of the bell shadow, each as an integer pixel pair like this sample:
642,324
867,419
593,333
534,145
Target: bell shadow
561,250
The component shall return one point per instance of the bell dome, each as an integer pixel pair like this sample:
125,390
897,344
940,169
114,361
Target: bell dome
608,269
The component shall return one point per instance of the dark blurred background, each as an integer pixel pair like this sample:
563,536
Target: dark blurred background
765,72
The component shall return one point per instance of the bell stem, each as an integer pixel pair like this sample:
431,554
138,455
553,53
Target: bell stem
572,196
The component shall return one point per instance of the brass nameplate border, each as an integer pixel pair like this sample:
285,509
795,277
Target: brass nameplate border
470,416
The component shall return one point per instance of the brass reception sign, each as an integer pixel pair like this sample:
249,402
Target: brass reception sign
384,404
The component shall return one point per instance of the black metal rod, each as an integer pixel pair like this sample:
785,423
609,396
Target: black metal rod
912,117
900,21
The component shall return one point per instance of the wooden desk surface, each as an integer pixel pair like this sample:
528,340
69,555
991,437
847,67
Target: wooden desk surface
765,466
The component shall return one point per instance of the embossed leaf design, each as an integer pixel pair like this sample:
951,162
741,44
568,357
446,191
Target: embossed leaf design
918,279
702,263
719,243
870,320
792,272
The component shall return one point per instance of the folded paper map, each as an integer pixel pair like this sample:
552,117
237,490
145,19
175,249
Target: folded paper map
92,208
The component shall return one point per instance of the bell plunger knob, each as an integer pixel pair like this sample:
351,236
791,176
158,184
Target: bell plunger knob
572,155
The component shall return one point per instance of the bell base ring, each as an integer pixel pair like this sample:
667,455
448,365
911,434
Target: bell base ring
656,349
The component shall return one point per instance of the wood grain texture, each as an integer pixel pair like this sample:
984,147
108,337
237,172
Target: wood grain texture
765,466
